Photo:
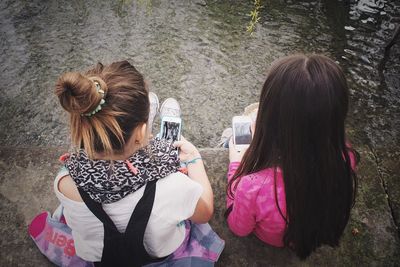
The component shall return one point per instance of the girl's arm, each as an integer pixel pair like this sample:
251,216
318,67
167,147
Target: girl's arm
353,155
235,157
205,206
242,215
242,219
233,166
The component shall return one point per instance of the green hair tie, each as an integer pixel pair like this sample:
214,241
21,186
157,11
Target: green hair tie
102,101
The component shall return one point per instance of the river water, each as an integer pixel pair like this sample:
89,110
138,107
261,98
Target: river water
200,53
196,51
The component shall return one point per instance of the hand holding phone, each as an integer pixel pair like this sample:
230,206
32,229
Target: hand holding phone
234,154
187,151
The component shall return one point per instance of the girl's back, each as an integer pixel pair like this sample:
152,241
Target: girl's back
123,195
254,207
164,232
300,130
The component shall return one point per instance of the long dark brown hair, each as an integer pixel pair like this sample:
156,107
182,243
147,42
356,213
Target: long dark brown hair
126,106
300,129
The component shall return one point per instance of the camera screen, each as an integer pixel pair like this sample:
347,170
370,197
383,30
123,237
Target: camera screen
170,130
242,133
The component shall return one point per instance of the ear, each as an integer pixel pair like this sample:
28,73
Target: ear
147,85
253,117
141,135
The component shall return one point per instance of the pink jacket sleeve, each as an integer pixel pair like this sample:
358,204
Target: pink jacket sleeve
353,161
233,166
242,218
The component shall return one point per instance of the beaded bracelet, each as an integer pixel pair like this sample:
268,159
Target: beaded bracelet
191,161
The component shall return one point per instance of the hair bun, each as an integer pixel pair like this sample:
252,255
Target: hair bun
78,93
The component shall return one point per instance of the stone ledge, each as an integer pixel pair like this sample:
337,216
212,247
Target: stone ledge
26,189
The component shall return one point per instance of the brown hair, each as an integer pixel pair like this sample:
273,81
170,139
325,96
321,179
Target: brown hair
126,106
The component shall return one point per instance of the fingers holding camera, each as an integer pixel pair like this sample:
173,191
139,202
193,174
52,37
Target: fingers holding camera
187,151
234,154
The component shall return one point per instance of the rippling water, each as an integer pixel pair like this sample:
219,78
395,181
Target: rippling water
197,52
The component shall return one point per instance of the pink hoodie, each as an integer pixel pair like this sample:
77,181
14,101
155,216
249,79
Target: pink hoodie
254,207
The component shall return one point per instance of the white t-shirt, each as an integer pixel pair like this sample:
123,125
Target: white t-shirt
175,200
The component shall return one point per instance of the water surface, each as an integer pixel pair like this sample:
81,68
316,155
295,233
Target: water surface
197,52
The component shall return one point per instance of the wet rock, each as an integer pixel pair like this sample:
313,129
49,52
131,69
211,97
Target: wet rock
376,242
26,190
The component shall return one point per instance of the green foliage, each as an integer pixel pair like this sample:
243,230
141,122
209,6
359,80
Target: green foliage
255,16
148,4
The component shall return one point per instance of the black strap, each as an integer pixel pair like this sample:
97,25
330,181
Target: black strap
133,250
140,216
97,210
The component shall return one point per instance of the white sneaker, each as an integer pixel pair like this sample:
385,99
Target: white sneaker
170,107
251,111
225,136
154,104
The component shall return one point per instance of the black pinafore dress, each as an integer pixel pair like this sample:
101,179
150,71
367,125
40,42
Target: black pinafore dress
125,249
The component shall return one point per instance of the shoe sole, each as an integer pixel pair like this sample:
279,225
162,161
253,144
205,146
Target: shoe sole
156,98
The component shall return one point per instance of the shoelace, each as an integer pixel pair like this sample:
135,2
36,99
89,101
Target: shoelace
172,112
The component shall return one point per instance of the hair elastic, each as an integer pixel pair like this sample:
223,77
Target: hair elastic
191,161
102,101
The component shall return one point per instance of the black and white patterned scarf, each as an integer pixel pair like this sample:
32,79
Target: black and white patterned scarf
108,181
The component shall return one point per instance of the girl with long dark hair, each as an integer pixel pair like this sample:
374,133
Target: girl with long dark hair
295,185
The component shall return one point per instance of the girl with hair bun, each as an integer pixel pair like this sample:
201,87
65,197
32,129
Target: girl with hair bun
124,197
295,185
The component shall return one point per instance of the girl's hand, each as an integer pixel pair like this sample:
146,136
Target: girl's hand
187,151
234,155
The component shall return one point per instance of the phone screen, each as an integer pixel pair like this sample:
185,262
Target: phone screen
242,133
171,130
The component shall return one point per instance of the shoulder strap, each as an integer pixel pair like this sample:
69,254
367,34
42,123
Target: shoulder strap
132,252
140,216
97,210
138,222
